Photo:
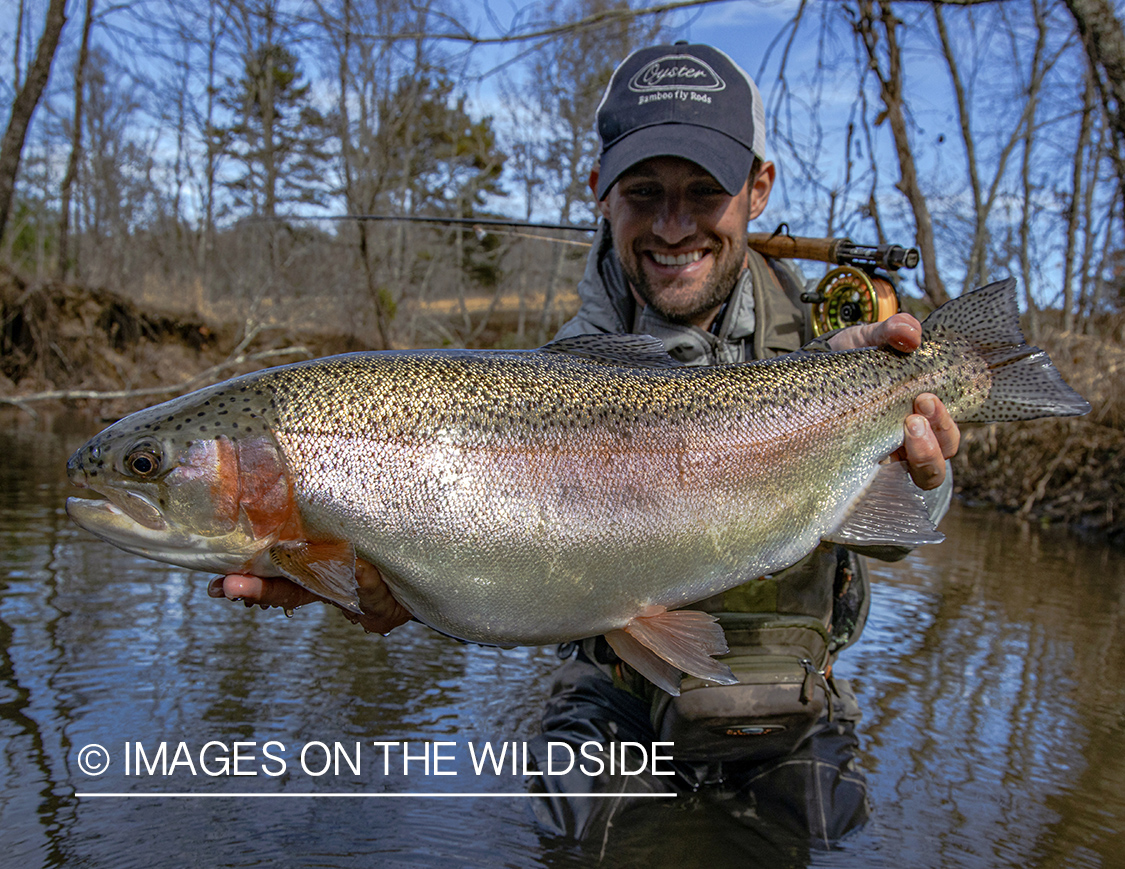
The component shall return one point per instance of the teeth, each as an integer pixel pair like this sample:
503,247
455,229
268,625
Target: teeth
682,259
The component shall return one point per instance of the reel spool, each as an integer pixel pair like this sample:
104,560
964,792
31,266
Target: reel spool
848,295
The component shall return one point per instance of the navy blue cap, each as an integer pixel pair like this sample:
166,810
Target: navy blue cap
689,101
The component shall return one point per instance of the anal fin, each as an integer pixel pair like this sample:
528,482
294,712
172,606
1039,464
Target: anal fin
890,512
326,568
661,643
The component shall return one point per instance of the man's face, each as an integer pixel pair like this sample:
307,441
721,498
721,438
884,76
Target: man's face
680,236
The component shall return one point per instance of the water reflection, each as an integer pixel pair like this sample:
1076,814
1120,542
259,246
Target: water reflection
988,674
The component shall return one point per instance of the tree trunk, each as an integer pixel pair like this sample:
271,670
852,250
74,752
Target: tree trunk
890,87
75,142
11,147
1104,39
1074,207
976,272
1025,232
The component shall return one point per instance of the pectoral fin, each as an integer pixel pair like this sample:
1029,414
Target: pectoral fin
324,568
661,643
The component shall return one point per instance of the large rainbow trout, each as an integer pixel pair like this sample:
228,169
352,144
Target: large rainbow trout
589,487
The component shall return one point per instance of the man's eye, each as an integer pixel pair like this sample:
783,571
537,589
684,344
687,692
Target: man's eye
640,191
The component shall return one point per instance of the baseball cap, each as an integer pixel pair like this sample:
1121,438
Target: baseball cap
681,100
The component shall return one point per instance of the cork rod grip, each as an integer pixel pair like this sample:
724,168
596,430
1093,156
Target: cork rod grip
796,247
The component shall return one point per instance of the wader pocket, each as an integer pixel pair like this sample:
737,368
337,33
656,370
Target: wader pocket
781,692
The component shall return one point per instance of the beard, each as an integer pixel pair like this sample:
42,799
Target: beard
686,301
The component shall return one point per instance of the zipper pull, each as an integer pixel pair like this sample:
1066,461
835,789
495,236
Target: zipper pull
807,685
811,675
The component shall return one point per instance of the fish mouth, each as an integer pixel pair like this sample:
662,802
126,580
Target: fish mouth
116,503
105,519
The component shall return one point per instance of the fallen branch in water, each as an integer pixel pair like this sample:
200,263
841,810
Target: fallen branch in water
98,395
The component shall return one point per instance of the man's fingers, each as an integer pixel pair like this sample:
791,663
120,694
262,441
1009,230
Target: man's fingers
264,592
930,437
381,611
945,430
902,332
923,453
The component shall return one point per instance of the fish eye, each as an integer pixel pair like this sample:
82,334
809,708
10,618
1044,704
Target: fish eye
144,459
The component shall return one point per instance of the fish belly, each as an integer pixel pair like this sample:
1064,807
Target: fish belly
530,543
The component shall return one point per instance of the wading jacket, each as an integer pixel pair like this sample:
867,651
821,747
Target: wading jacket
763,317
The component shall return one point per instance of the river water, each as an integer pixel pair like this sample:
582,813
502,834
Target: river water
990,675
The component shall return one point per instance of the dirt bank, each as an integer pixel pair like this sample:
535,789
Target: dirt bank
64,343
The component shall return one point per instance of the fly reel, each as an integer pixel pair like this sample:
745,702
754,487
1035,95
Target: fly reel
848,295
851,293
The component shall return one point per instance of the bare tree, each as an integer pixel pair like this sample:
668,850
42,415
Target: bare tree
27,98
566,81
1104,39
1074,210
76,139
882,26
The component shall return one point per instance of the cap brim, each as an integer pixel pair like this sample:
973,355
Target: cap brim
725,159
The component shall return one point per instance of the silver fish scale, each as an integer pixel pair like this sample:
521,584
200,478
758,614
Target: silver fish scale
414,394
497,491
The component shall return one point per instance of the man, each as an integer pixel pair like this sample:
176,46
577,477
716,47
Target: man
681,172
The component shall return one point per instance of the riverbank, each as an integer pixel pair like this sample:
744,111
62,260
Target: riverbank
97,352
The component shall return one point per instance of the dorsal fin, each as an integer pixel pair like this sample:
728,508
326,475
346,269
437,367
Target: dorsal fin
637,351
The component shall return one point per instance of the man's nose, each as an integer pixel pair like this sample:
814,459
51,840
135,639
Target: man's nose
674,220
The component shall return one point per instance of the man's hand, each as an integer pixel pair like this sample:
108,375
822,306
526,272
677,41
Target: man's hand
381,612
931,436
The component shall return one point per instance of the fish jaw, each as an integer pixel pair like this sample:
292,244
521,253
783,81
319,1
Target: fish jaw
165,542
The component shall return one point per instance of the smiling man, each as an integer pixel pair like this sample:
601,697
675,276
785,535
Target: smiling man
680,237
682,171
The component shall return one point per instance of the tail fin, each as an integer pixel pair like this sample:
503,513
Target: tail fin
1025,383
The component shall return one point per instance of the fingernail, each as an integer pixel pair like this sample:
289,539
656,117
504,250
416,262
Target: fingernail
926,405
916,426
